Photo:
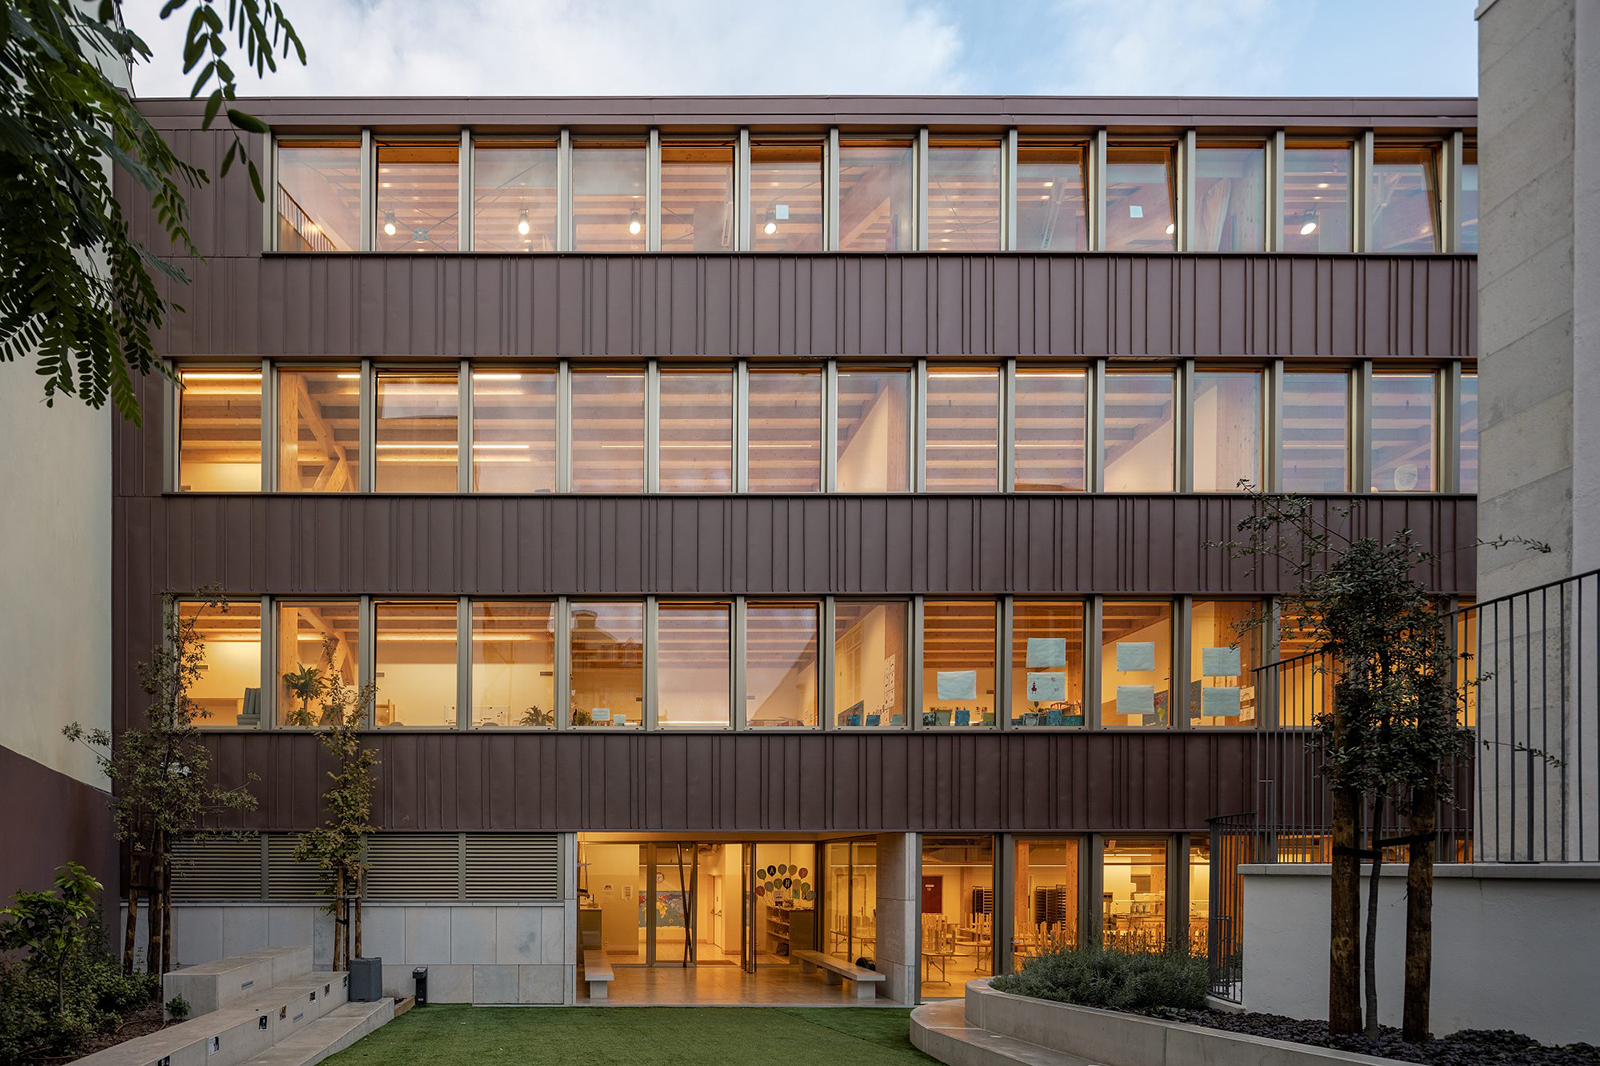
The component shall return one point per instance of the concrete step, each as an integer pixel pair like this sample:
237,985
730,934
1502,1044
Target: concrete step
334,1032
941,1030
215,985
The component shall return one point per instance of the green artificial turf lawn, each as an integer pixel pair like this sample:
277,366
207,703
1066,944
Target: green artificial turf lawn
598,1036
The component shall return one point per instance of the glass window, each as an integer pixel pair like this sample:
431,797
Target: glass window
1469,431
607,649
1316,432
1045,895
608,430
963,195
1230,198
1052,198
780,660
869,664
1227,430
958,659
1468,207
415,665
419,196
1047,663
514,430
785,197
305,666
1468,671
877,209
693,661
417,444
697,196
1316,197
1139,431
513,664
1141,199
227,692
609,211
319,430
1199,893
219,431
1223,640
319,195
874,431
1134,890
514,195
850,900
1405,200
963,445
1404,432
1136,663
957,913
785,435
1050,444
1305,684
696,431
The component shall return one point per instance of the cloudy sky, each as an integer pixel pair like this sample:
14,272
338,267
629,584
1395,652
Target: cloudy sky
660,47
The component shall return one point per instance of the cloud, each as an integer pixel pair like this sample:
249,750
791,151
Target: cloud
572,47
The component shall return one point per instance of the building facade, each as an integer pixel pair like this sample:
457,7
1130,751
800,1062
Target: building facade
778,524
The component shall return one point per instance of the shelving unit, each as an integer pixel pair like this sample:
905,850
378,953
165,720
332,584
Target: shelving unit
790,929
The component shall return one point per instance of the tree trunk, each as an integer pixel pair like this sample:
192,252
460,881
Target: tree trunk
338,921
157,912
355,906
166,916
1344,956
1419,913
130,935
1370,952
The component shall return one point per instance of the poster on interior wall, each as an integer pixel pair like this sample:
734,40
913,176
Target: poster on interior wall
890,670
1135,656
1047,651
1219,662
1047,686
958,684
1220,702
1136,699
600,714
669,909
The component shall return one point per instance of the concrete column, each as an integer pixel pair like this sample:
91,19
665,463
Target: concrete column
899,899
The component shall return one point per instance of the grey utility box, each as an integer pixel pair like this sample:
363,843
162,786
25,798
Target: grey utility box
366,980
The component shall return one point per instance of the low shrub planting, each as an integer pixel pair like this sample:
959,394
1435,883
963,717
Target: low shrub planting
1093,976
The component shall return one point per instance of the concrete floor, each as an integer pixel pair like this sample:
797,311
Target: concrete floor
725,986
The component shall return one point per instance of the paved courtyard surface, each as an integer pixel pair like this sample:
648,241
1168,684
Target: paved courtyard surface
600,1036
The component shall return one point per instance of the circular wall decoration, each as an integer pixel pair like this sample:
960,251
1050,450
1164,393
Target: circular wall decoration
788,882
802,871
783,867
772,871
761,890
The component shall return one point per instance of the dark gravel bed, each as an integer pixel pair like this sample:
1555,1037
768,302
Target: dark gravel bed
1469,1047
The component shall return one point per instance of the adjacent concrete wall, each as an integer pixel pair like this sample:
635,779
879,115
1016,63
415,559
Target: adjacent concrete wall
899,903
1514,946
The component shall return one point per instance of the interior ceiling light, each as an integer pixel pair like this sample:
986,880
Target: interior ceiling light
522,223
634,225
1308,225
388,223
771,225
1172,227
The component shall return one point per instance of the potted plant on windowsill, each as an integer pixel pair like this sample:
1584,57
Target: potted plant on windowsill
537,717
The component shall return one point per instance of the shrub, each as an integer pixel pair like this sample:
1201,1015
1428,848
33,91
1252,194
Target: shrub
98,993
177,1008
1092,976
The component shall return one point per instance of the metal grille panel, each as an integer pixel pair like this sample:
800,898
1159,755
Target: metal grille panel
513,866
405,866
217,868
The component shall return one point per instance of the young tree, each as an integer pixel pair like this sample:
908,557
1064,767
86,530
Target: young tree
53,927
339,845
159,772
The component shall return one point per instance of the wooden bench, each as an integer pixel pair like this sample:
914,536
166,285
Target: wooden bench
860,977
597,972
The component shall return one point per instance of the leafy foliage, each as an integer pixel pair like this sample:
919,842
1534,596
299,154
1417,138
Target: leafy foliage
1096,976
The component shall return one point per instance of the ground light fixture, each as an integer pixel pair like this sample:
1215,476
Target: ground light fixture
633,222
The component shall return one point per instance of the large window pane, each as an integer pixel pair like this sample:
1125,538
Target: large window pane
319,195
877,211
1467,209
697,196
1469,431
514,430
696,431
415,665
219,431
957,913
780,674
1316,197
1405,200
1047,663
1051,431
609,210
963,445
869,664
874,431
1230,199
1227,430
227,693
513,665
608,431
419,196
1052,198
303,668
1134,887
963,195
319,430
1136,663
417,445
1404,432
692,665
1316,432
785,197
1141,199
785,438
1044,904
1139,431
1199,893
1223,642
607,650
958,663
514,195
